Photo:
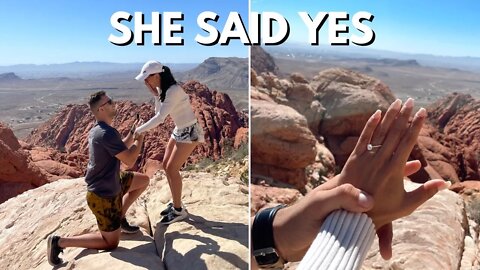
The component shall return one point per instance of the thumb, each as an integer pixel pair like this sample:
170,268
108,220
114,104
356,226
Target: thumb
350,198
424,192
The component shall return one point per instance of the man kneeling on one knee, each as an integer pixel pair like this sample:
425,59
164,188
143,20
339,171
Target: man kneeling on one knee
110,191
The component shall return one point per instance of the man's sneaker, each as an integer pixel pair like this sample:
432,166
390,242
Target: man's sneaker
168,209
53,250
127,228
174,216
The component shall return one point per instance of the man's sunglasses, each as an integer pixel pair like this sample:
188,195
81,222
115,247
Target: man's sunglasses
109,101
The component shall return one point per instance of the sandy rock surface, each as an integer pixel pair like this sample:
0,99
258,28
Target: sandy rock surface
214,237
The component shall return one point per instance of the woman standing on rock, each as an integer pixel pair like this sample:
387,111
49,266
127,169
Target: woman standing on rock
171,99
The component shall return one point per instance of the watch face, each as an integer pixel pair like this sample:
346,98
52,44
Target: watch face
267,258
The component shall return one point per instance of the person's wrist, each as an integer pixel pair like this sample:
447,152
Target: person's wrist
264,250
280,231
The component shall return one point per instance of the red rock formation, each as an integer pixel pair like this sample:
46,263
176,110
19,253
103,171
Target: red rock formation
241,137
282,145
68,130
264,196
464,187
457,118
18,173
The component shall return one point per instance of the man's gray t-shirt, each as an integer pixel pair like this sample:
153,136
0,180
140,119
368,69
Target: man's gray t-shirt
103,170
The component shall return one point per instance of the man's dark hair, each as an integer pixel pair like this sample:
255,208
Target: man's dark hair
95,98
166,80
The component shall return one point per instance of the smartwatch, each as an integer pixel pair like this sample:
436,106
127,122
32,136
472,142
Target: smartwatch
263,243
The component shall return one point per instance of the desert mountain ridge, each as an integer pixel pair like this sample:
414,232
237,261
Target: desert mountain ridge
220,73
466,63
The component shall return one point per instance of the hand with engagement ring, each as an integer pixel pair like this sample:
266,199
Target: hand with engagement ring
387,143
377,169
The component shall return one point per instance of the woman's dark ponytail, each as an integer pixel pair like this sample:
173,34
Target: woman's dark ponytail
166,80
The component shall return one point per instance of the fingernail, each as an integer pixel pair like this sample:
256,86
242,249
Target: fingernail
409,103
446,185
377,114
363,199
397,104
421,113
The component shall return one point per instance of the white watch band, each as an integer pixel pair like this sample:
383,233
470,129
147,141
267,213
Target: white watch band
342,243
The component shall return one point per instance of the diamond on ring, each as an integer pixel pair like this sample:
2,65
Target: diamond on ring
370,146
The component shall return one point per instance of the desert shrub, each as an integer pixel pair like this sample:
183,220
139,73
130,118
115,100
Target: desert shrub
244,177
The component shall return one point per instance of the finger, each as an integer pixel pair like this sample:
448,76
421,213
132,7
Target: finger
367,133
412,167
417,197
385,235
410,138
348,197
388,119
396,131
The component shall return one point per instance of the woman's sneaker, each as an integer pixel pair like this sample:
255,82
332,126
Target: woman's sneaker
127,228
53,250
174,216
168,209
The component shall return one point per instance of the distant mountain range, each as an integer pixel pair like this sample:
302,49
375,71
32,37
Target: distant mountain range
80,69
293,50
230,73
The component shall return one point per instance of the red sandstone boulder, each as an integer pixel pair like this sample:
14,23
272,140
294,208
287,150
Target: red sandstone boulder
465,187
282,145
241,137
349,99
18,173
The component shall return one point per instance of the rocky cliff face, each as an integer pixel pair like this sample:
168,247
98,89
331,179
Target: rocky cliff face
17,173
215,236
457,118
67,131
21,168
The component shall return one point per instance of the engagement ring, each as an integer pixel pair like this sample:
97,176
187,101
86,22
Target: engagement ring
370,146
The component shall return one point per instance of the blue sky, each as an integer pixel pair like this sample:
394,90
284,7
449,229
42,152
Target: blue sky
58,31
439,27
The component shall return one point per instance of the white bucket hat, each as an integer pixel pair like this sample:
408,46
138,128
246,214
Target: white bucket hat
151,67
